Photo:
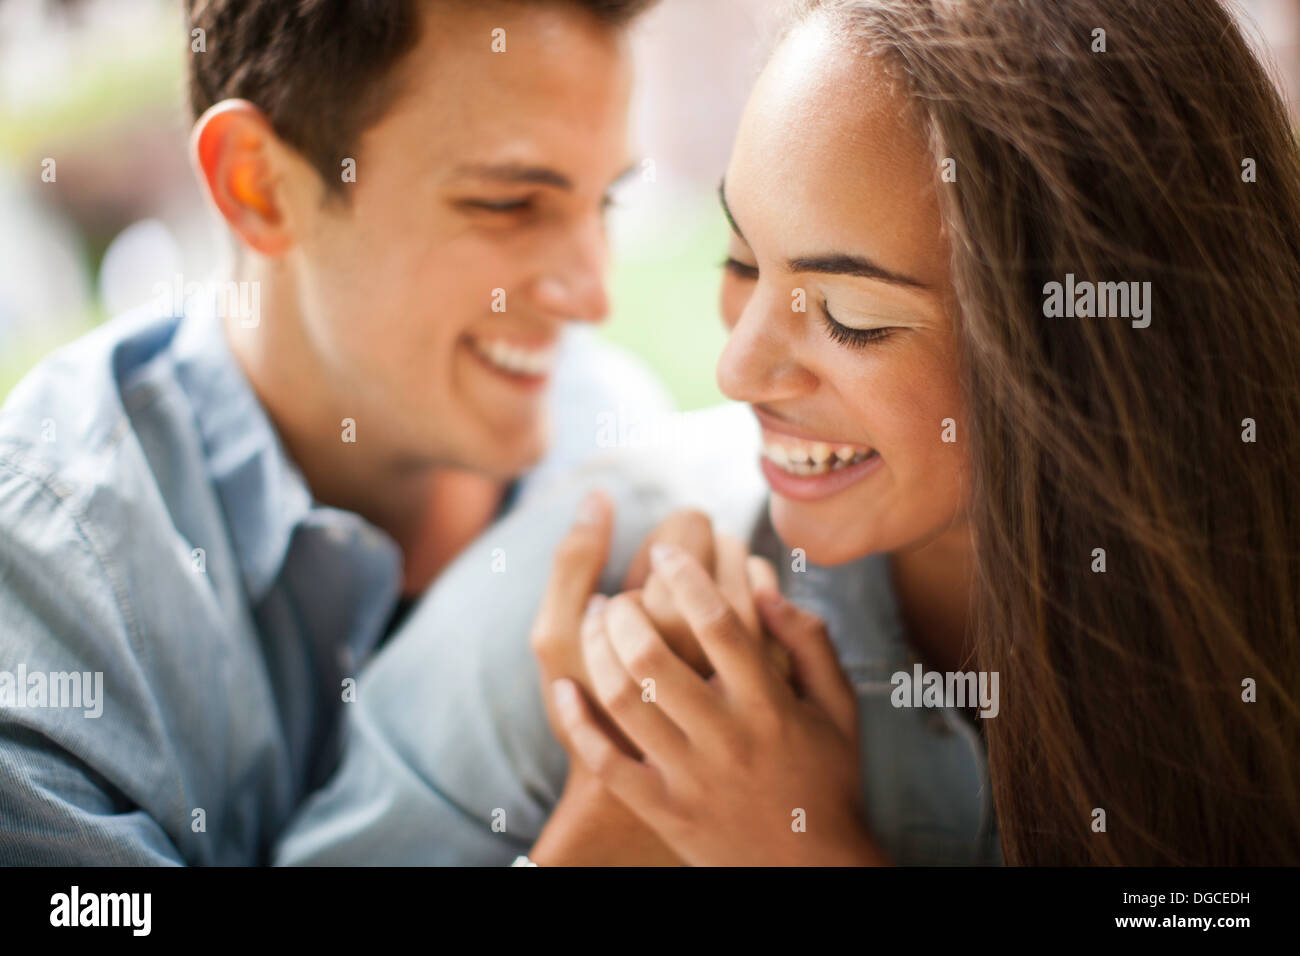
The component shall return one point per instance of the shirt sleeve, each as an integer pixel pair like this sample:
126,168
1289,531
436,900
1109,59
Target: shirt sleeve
448,758
78,753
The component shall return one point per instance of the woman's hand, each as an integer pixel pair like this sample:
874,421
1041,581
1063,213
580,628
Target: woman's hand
589,825
738,769
575,573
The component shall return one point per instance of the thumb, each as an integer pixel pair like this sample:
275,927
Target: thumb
575,570
817,672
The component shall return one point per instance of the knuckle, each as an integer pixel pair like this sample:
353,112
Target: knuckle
766,723
688,519
805,625
721,623
543,641
603,760
645,658
620,696
735,747
621,605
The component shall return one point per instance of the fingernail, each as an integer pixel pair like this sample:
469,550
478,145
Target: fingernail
662,553
594,604
590,510
773,599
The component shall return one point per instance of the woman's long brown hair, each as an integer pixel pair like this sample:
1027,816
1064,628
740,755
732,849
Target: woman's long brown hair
1123,690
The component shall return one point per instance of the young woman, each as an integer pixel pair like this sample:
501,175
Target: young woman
1014,293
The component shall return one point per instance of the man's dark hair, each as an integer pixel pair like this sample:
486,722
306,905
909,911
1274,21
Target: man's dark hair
321,70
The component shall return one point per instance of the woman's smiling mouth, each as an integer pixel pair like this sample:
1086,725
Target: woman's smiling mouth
804,467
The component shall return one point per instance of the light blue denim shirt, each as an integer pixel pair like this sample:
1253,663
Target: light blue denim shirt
449,759
157,542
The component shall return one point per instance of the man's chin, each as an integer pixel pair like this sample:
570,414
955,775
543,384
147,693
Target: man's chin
506,461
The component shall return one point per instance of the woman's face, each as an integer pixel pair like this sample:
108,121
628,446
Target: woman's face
838,298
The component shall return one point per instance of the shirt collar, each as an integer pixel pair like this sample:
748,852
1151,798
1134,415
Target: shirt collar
262,492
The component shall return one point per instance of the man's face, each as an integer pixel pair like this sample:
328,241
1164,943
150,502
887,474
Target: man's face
433,300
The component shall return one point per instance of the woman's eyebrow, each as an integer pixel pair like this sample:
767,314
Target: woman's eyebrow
834,264
846,265
726,211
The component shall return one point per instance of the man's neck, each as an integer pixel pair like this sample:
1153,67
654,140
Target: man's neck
431,513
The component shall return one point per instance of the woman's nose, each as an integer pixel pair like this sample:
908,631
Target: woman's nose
760,362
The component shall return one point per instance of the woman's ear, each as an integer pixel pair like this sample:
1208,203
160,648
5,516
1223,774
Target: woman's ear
236,154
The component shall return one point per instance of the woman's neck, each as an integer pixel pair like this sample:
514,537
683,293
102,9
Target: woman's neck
934,583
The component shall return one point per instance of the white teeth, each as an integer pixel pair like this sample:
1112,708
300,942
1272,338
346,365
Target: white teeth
514,358
816,458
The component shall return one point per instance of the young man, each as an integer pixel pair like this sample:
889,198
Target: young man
207,521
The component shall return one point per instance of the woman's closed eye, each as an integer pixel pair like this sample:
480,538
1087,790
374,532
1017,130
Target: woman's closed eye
741,270
847,335
839,332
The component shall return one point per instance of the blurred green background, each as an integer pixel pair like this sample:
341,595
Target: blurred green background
100,86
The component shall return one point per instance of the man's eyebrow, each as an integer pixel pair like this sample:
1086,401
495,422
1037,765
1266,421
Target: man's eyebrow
726,210
516,173
846,265
533,175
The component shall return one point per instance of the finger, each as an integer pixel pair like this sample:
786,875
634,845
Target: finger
736,654
638,786
816,666
688,528
733,579
761,574
575,573
621,696
685,697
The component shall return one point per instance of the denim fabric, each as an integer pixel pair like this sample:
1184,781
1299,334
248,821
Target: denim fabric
449,759
155,535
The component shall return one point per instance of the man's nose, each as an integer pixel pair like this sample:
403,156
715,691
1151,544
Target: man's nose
573,288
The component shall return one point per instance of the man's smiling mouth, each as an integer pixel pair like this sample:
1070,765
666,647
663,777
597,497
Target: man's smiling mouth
514,358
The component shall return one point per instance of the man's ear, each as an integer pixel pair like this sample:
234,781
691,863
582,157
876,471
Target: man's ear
235,153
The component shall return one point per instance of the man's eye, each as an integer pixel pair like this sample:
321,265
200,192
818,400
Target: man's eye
495,205
740,269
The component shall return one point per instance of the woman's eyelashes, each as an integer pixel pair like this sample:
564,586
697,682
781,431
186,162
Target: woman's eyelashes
839,333
847,335
740,269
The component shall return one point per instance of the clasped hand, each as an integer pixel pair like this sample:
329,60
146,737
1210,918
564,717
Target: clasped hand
706,717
